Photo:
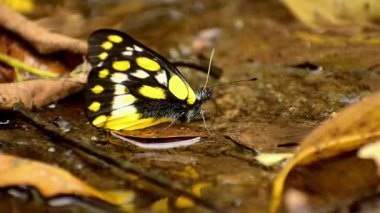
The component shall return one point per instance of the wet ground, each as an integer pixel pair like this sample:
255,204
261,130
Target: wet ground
300,83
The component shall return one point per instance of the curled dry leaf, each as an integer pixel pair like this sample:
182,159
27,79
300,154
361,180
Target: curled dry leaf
43,40
49,180
37,93
17,54
353,127
329,13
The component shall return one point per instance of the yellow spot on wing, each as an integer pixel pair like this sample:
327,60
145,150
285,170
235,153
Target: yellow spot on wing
146,122
115,38
103,73
97,89
122,118
99,121
121,65
94,106
107,45
102,56
177,87
191,97
148,64
152,92
123,100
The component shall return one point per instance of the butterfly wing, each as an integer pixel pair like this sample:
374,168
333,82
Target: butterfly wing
130,86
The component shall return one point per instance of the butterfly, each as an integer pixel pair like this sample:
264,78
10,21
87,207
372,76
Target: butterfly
132,87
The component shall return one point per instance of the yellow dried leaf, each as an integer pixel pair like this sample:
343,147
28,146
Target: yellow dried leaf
49,180
161,206
183,202
327,13
197,188
188,172
123,198
353,127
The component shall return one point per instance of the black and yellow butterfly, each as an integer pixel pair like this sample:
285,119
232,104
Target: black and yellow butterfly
132,87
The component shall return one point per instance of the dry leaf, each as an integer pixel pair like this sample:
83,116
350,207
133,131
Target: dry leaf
183,202
49,180
197,188
161,206
357,125
43,40
37,93
329,13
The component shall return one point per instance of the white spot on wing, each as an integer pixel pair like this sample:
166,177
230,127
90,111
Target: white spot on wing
100,64
137,48
129,48
162,78
127,53
120,101
120,89
119,77
140,74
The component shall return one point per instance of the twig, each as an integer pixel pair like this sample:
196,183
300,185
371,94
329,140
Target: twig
84,146
17,64
215,71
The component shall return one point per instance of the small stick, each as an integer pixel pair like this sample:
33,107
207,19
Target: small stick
84,146
17,64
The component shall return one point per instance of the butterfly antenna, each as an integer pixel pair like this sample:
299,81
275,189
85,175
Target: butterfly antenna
209,68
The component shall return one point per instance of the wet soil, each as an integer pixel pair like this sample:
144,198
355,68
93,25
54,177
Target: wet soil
251,39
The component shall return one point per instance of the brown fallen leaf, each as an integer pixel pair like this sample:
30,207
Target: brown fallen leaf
353,127
49,180
37,93
40,38
329,13
16,55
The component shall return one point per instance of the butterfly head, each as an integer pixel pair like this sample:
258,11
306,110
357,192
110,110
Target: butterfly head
202,96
